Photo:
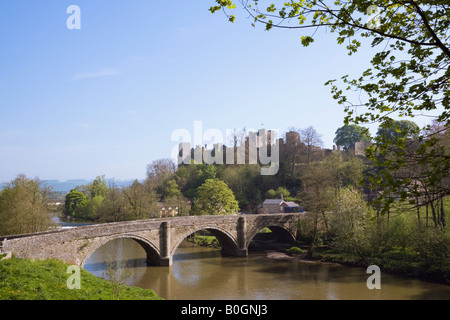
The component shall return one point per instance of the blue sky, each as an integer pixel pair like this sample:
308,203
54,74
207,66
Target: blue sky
105,99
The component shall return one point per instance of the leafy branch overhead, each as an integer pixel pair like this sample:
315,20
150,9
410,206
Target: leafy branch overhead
409,74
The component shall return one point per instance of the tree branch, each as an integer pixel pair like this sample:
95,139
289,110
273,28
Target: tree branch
430,30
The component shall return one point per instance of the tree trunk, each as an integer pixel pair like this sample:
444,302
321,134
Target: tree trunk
433,212
314,240
418,212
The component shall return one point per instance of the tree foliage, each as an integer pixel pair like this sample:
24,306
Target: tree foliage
350,223
103,203
23,207
275,194
348,135
98,187
75,204
409,74
214,197
393,131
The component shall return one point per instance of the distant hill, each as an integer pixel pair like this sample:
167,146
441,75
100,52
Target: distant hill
66,186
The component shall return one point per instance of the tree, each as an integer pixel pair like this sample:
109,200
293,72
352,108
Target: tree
349,223
75,204
214,197
140,201
348,135
114,205
275,194
396,130
98,187
409,74
91,210
246,183
118,272
317,197
313,141
417,80
96,193
23,207
159,170
192,176
342,170
413,170
170,189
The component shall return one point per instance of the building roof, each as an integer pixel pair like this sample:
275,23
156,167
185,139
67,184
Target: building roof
291,204
280,202
273,201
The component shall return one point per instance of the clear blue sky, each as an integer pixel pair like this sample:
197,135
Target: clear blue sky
105,99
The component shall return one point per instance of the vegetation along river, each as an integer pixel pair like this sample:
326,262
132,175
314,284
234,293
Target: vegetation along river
202,273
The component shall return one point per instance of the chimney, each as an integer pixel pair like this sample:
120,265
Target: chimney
281,196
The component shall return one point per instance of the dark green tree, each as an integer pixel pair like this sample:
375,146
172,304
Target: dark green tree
396,130
348,135
75,204
170,189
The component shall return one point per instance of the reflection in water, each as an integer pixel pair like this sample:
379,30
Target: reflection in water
202,273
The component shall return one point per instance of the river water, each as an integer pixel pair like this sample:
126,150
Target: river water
202,273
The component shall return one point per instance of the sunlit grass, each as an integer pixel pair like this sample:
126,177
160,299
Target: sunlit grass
23,279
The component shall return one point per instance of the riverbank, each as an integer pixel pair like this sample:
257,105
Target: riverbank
24,279
393,266
205,241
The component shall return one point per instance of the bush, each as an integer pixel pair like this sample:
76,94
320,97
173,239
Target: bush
350,223
434,247
401,253
295,250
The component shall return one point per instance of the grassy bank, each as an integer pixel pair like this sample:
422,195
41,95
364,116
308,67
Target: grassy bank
205,241
23,279
397,261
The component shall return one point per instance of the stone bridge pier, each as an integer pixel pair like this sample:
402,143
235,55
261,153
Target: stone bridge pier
158,237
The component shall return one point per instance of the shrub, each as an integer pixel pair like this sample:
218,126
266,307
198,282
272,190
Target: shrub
349,223
434,247
295,250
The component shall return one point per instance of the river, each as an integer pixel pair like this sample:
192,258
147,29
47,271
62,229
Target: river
202,273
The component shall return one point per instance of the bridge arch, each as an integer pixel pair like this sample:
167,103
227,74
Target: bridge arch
280,232
151,250
227,241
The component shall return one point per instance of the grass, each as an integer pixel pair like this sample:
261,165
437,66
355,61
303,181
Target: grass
205,241
23,279
295,250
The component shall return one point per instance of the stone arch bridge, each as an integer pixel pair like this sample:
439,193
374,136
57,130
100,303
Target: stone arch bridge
159,237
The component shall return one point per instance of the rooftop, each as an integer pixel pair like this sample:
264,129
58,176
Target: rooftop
273,201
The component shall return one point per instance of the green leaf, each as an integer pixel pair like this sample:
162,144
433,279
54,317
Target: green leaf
306,41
